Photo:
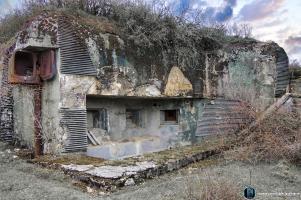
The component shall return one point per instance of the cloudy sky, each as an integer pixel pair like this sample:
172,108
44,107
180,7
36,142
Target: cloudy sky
277,20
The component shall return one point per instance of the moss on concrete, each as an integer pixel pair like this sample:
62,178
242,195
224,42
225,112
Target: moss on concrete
69,159
161,157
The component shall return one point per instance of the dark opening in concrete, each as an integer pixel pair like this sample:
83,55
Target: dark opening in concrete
24,63
169,117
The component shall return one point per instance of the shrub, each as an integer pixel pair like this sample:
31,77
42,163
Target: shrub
146,27
11,23
277,137
211,189
220,189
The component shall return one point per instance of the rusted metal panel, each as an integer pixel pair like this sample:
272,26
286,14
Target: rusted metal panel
48,65
20,70
75,121
75,58
38,148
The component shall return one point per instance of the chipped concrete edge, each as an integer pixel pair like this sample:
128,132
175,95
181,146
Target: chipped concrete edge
110,178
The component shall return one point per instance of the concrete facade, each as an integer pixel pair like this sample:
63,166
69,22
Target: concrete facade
150,119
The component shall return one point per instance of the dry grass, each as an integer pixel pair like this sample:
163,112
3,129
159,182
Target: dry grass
211,189
222,190
275,138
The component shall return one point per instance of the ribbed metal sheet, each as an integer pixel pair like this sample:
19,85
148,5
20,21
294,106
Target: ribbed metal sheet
74,55
75,120
221,116
283,75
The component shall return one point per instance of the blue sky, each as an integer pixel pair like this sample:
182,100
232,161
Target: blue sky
277,20
7,5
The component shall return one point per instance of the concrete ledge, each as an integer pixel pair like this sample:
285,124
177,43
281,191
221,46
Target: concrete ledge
110,175
109,178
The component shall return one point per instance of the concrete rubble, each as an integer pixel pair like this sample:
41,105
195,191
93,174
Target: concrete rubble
111,172
110,175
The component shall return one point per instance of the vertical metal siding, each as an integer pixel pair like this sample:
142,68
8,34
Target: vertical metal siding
75,120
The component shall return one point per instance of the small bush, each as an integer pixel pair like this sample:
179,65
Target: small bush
11,23
212,189
222,190
147,27
277,137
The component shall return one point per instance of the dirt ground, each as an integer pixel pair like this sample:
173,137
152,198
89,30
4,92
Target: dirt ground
21,180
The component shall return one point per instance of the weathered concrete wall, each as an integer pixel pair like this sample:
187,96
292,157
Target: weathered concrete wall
245,71
23,96
250,77
122,72
151,124
73,90
38,35
40,32
24,114
53,134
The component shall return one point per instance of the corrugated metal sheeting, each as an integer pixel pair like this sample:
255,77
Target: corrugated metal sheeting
74,55
221,116
75,120
283,74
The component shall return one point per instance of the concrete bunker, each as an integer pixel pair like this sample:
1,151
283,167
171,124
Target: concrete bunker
131,103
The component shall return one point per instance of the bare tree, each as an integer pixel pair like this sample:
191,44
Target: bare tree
239,30
295,64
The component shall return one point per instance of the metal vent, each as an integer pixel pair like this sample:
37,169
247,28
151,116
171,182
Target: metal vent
74,55
283,75
75,120
221,116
